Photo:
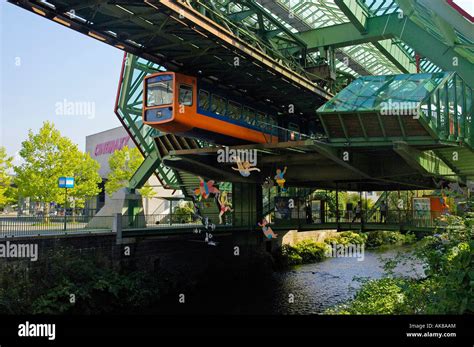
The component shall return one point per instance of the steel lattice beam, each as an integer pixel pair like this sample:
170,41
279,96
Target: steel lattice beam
391,27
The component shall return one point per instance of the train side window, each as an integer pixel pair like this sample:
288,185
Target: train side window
261,120
204,99
218,104
185,95
294,127
272,125
275,124
295,130
273,121
234,110
249,115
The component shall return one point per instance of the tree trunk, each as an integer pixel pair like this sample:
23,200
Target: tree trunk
46,212
73,212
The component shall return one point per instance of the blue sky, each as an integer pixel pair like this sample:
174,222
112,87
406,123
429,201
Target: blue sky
43,64
55,64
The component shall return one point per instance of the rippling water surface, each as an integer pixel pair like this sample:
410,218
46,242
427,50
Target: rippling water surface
314,287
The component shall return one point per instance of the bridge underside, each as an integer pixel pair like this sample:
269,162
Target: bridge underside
312,163
181,39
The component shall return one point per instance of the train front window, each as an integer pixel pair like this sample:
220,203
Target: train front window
185,95
159,90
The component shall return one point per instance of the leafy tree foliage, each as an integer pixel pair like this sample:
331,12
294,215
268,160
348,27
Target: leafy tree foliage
123,164
5,178
47,156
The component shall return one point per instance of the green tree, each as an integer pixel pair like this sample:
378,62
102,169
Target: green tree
123,164
47,156
86,179
183,213
5,178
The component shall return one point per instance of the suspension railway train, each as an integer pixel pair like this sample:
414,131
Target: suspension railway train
191,107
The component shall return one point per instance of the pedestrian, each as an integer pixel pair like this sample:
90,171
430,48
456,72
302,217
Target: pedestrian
358,212
309,214
383,212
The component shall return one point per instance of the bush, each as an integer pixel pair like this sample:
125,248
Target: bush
375,239
448,285
385,237
302,253
183,214
310,251
346,238
383,296
46,288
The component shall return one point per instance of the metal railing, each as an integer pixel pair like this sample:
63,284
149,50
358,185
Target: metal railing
272,131
415,218
173,220
47,225
60,225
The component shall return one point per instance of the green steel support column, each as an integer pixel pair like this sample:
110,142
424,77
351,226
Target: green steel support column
247,204
471,113
135,209
447,123
455,115
139,178
354,12
337,207
464,113
430,113
146,169
438,108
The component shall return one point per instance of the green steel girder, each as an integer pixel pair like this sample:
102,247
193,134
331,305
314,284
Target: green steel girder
128,110
334,155
145,170
442,20
375,207
265,26
425,162
358,16
389,27
354,12
238,16
460,159
347,34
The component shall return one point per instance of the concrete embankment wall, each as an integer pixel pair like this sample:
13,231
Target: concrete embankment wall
186,256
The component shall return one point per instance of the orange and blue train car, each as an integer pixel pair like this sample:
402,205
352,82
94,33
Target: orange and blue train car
188,106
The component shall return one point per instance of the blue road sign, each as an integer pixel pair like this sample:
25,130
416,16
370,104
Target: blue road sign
66,182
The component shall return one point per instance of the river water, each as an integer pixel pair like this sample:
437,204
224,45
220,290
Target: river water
313,287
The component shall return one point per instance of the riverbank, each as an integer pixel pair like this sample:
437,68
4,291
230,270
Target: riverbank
447,284
348,243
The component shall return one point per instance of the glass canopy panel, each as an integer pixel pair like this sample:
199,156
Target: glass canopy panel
371,93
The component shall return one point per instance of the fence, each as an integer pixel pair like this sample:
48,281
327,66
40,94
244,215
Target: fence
41,225
46,225
416,218
174,220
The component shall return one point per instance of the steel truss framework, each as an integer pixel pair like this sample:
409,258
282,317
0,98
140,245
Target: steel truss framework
281,46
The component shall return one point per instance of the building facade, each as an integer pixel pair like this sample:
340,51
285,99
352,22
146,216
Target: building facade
100,147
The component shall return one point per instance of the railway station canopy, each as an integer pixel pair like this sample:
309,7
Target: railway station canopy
405,107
